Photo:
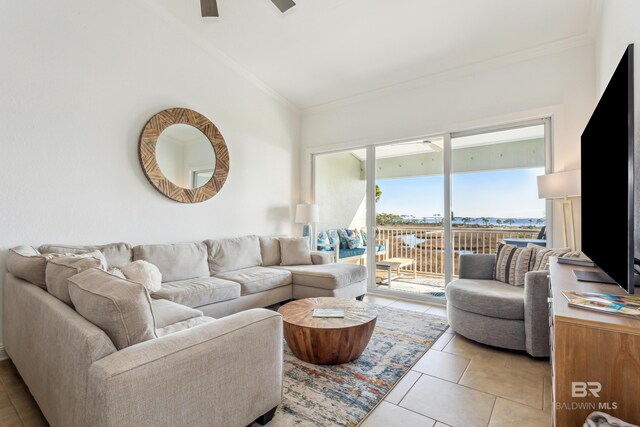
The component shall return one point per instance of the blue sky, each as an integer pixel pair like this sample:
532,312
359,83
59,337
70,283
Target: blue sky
500,194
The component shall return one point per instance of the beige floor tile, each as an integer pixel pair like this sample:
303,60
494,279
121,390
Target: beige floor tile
9,417
409,305
378,300
526,363
450,403
547,403
499,381
442,342
399,391
476,351
34,419
439,424
447,366
508,414
389,415
437,310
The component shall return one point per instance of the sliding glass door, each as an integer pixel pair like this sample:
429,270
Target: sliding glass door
429,201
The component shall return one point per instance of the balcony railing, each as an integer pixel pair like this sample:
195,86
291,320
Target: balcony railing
426,244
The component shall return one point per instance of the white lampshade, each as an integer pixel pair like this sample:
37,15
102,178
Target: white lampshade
558,185
307,213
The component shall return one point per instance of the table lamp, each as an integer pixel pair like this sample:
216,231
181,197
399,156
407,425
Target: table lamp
307,214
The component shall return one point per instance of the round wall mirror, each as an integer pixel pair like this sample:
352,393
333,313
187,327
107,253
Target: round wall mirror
184,155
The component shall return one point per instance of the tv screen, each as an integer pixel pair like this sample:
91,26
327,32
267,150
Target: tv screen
607,179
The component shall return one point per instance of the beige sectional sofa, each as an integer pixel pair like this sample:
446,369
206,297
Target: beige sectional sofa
216,358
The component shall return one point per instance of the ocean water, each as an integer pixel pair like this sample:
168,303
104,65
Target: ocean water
517,222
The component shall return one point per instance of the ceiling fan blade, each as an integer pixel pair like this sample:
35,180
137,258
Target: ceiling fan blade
209,8
284,5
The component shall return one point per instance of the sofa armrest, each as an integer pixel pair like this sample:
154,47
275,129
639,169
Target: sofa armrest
536,313
320,257
227,372
477,266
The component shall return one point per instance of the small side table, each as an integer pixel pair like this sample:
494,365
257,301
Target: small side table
396,264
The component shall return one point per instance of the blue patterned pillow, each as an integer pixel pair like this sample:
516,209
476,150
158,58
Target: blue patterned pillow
363,233
354,239
323,241
342,233
334,239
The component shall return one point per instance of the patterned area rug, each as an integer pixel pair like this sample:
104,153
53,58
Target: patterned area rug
343,395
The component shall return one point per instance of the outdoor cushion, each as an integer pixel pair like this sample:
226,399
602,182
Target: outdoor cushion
257,279
180,261
28,264
269,250
117,254
59,269
122,309
348,253
233,254
198,292
487,297
168,312
327,276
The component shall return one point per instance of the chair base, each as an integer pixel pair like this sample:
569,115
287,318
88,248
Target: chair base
266,417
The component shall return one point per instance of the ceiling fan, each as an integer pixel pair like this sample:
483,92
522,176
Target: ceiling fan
210,7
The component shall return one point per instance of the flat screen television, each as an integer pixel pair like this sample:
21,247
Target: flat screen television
607,186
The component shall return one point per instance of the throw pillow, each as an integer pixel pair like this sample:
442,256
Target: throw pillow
542,255
506,259
145,273
354,239
334,238
363,233
524,264
323,241
269,250
295,251
121,308
342,234
61,268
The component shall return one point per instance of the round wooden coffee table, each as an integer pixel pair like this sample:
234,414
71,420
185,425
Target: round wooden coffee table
328,341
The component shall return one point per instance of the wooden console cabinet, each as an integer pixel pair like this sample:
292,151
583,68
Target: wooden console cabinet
595,357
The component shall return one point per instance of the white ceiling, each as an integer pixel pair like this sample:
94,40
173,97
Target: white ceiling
325,50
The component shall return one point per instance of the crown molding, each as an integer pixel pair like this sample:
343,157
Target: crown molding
488,64
221,56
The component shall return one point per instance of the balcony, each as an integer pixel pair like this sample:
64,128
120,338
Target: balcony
425,246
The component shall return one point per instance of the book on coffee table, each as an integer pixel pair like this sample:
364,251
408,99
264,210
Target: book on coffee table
328,312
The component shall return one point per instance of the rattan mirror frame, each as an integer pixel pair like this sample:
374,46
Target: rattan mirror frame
149,163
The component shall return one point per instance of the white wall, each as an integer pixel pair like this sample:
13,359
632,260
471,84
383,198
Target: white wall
78,81
340,191
559,83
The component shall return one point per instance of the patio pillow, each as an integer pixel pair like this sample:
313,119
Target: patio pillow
342,233
506,260
363,233
354,239
334,239
323,242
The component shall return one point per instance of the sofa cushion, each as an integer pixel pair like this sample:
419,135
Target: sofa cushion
487,297
122,309
233,254
198,292
168,312
28,264
270,250
117,254
61,268
184,325
179,261
295,251
257,279
327,276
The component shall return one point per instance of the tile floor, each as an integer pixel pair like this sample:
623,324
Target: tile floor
456,383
